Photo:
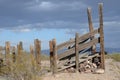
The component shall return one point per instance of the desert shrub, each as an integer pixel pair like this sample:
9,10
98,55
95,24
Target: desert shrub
24,68
44,57
115,56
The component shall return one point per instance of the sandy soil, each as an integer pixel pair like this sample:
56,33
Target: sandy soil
112,72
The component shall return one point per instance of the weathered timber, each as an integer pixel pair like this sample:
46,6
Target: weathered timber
66,53
101,36
66,44
54,56
76,51
93,48
51,55
38,51
88,35
80,61
80,47
61,63
80,42
72,41
88,44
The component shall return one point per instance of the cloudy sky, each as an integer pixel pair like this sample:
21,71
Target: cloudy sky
26,20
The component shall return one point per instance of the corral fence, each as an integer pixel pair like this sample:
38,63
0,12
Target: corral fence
70,53
74,54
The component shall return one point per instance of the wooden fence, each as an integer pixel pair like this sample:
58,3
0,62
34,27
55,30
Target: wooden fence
72,48
71,51
18,50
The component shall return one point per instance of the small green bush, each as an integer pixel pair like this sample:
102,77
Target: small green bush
115,56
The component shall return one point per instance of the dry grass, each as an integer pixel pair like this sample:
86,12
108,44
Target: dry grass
24,68
114,56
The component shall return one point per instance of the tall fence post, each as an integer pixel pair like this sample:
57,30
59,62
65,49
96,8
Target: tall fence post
7,51
76,51
38,51
54,56
101,36
51,55
93,48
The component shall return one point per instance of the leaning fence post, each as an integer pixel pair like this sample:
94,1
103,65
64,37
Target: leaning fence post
51,55
101,36
54,56
38,51
76,51
93,48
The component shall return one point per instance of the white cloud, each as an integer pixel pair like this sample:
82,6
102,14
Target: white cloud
49,5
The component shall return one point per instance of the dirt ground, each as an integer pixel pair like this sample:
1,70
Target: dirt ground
112,72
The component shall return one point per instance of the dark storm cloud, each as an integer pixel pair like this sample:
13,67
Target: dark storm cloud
53,13
23,12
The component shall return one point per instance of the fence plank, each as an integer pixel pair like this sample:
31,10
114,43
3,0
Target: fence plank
101,36
88,44
76,51
93,48
66,44
54,56
66,53
88,35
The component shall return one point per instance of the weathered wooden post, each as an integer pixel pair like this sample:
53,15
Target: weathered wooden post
7,51
51,55
54,56
38,51
101,36
76,51
21,45
93,48
13,54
